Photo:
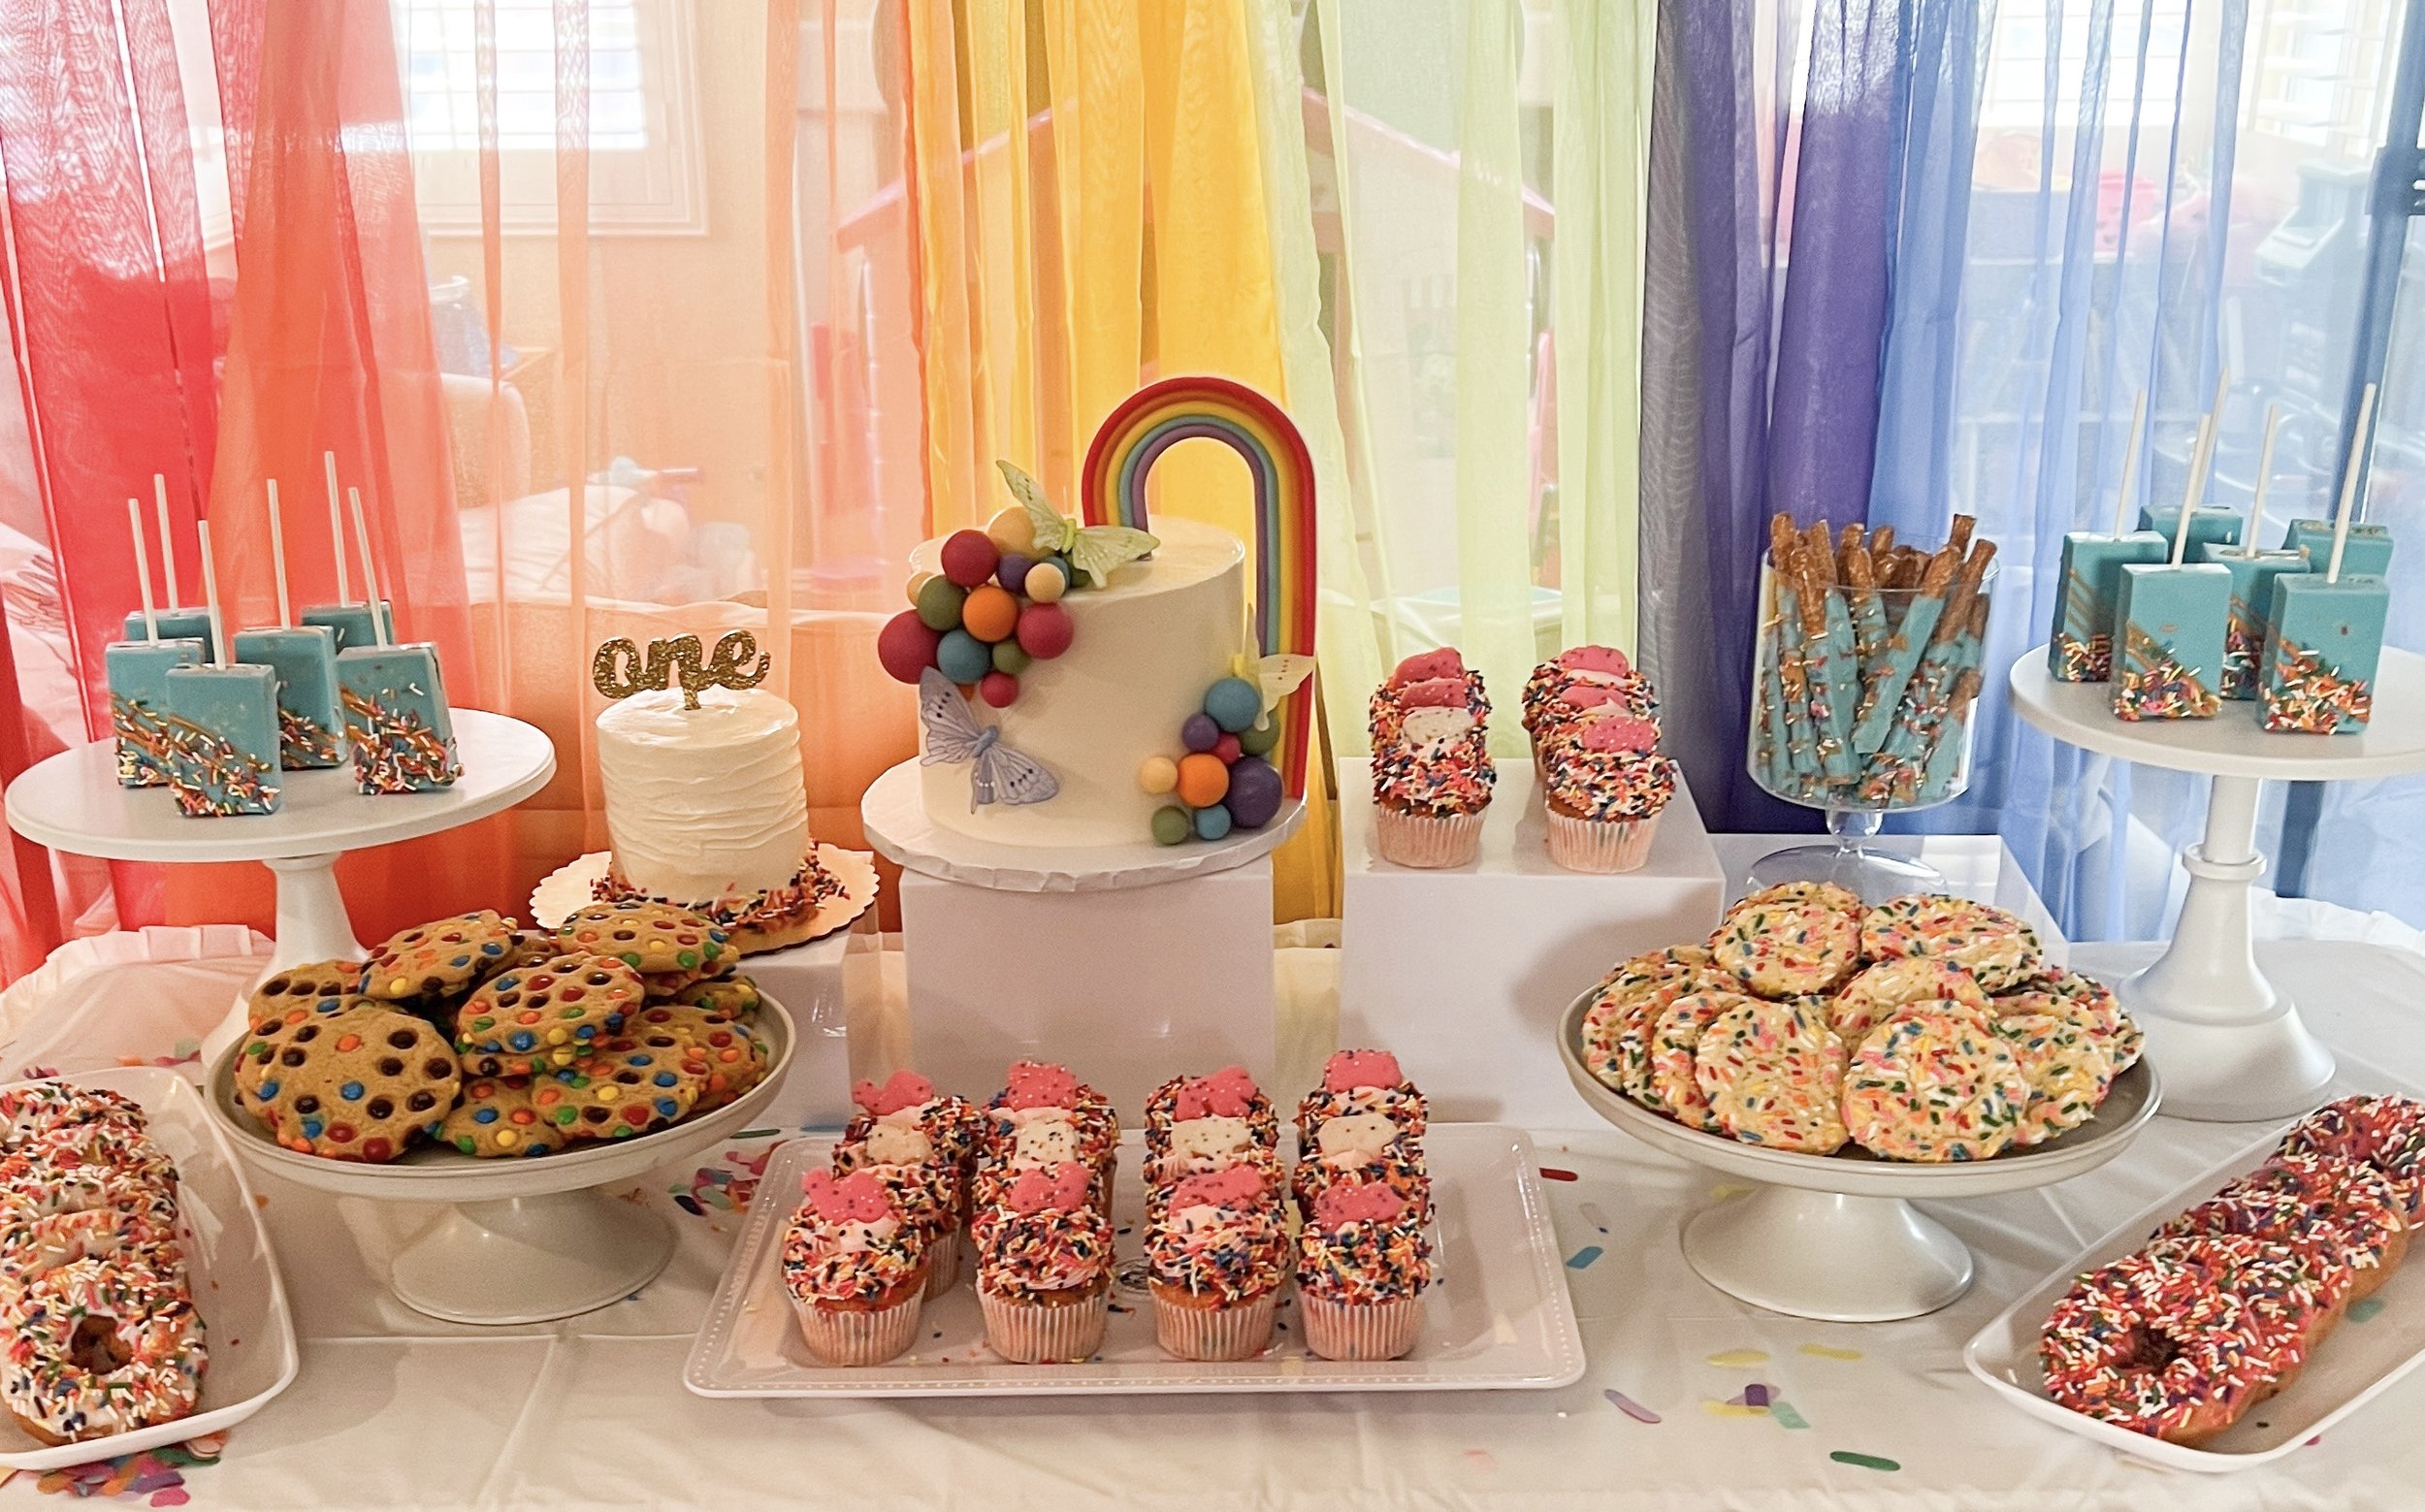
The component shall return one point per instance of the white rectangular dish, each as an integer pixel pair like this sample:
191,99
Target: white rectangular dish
2365,1355
237,1288
1497,1318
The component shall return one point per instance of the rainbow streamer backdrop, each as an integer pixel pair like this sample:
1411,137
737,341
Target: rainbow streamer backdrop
1159,416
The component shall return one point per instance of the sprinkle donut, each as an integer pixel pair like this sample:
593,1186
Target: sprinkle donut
1673,1084
1992,945
1788,948
2152,1343
2386,1132
1883,990
1934,1086
1773,1075
100,1347
2346,1214
40,1109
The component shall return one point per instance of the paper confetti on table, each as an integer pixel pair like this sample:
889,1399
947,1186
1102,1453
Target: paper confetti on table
1737,1359
1867,1461
1583,1257
1553,1173
1754,1395
1786,1416
1826,1352
1630,1408
154,1475
1482,1460
1733,1409
2364,1308
1594,1216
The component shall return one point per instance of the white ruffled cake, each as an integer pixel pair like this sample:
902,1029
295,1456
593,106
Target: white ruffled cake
708,808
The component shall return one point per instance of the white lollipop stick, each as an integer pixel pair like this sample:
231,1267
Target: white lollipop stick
143,567
2198,455
336,530
168,542
2264,476
211,598
278,559
382,617
2350,482
2130,463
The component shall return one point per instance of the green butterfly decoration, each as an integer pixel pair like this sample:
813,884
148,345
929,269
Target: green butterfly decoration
1277,675
1096,550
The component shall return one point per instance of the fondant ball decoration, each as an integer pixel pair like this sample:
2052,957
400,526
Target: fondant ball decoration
906,646
918,585
1012,532
1233,704
1258,739
1047,581
990,613
998,688
1009,657
1228,749
1012,571
1213,823
1045,630
1254,793
939,604
1157,775
1199,733
1172,825
1202,779
968,557
963,658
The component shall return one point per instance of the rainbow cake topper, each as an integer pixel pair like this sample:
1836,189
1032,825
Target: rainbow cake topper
1159,416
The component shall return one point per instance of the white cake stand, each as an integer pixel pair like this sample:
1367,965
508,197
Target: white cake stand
2231,1040
72,802
521,1240
1837,1236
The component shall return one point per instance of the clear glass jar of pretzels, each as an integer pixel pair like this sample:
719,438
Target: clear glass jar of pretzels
1866,670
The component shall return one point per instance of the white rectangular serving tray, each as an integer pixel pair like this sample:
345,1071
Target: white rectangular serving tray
2352,1366
246,1328
1498,1315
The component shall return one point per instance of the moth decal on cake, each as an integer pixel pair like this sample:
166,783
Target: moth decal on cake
996,773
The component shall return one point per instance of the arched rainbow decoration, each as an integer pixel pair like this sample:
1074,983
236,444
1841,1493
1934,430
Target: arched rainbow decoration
1159,416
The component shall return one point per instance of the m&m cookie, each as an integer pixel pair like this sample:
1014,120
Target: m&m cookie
502,1116
539,1017
722,997
670,948
438,960
730,1057
625,1088
318,987
1992,945
356,1086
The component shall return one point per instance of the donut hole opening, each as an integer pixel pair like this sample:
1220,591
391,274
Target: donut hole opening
96,1348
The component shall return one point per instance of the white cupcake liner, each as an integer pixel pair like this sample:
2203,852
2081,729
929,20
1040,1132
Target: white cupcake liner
859,1337
1240,1330
944,1253
1599,845
1360,1330
1428,840
1030,1333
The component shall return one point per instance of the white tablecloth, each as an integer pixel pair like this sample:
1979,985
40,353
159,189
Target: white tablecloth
395,1410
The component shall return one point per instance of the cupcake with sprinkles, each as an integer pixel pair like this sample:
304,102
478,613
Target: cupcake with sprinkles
1228,1093
1362,1149
909,1100
855,1270
1215,1260
1044,1113
923,1188
1607,783
1432,770
1585,683
1363,1081
1362,1266
1043,1267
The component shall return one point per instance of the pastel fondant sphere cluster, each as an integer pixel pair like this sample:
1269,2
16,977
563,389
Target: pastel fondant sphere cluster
1222,783
993,612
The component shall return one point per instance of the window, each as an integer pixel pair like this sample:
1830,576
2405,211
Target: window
2014,96
2319,71
644,169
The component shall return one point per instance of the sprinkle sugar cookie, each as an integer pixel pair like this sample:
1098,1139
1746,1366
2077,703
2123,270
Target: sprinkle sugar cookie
670,948
1883,990
1773,1075
1992,945
1675,1043
440,960
1826,894
2066,1067
1934,1086
2085,1000
1788,948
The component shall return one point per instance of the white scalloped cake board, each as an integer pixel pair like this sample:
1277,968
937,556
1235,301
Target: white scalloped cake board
569,888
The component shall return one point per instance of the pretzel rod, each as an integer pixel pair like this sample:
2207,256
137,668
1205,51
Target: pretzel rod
1958,538
1834,666
1881,693
1945,758
1882,540
1793,677
1956,617
1861,595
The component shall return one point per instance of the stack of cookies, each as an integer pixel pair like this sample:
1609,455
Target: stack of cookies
503,1040
1928,1028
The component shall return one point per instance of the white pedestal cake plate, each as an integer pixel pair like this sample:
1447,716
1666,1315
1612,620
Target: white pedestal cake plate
2230,1038
72,802
522,1240
1837,1236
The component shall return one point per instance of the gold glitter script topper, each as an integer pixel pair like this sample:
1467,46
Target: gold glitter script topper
619,670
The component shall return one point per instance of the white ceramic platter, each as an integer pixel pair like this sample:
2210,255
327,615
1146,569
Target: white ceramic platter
2347,1371
1499,1317
236,1289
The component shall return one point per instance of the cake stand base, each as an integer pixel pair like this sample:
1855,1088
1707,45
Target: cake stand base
1827,1255
2237,1071
531,1259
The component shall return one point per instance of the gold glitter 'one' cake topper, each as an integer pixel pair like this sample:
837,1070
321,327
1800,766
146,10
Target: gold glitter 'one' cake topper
619,670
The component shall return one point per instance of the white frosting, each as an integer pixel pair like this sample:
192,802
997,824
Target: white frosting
898,1144
1361,1135
1141,652
1211,1137
1431,731
1044,1143
708,804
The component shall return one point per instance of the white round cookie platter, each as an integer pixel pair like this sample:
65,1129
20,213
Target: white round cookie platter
572,886
1837,1236
521,1240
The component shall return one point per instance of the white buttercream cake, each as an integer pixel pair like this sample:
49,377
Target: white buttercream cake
708,808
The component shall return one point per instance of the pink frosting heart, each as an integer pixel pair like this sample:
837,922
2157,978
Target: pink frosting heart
1443,663
1239,1187
1035,1083
1227,1093
1062,1185
1349,1070
905,1090
1357,1201
1622,733
1441,693
1595,658
857,1198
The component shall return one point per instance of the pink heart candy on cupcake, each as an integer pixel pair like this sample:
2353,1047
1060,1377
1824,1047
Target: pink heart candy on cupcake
1429,664
1349,1070
1227,1093
1357,1201
1060,1186
1239,1187
857,1198
904,1089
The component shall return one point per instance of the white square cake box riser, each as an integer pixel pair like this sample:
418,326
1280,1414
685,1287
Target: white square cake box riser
807,980
1464,973
1129,988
